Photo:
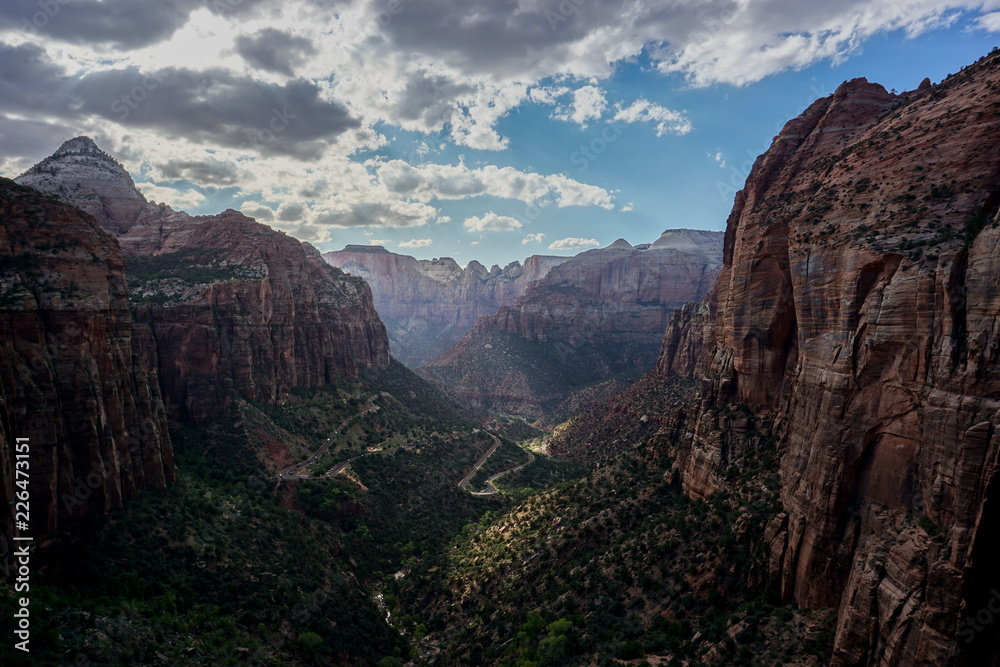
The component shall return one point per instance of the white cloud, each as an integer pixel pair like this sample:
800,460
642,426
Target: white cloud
381,242
989,22
547,95
257,211
589,103
533,238
491,222
718,158
416,243
627,207
750,41
170,196
450,72
573,243
644,111
441,181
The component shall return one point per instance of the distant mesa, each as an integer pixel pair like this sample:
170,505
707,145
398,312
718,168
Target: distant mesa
370,249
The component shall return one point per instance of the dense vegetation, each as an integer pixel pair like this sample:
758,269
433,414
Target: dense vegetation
619,565
567,565
634,414
229,566
164,278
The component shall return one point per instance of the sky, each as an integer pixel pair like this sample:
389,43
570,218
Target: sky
489,130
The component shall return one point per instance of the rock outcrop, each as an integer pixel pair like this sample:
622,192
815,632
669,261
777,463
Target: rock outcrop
857,318
597,315
72,377
226,306
428,305
90,179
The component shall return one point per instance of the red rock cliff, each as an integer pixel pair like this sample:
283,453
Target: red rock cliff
253,311
226,305
858,313
72,380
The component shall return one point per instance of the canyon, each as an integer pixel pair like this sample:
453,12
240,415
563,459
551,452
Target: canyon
598,315
224,305
428,305
813,443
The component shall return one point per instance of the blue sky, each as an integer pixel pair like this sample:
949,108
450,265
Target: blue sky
464,131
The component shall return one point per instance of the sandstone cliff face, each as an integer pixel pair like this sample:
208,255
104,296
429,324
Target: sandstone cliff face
251,311
687,340
224,305
600,314
858,317
427,305
71,373
618,294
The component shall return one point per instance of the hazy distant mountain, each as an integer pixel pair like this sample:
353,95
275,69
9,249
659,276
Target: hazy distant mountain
600,314
427,305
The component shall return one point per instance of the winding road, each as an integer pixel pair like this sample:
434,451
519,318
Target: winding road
475,468
490,489
293,471
290,471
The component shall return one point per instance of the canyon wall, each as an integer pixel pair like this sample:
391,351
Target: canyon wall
72,378
595,316
225,305
104,338
428,305
857,317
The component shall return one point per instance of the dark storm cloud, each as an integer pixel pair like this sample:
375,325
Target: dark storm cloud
429,98
216,106
274,50
124,24
501,37
210,107
29,82
203,173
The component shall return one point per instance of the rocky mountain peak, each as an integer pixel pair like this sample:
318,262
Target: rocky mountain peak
80,173
79,145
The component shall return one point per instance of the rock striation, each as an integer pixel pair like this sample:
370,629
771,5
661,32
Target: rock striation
225,306
597,315
857,320
428,305
72,377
